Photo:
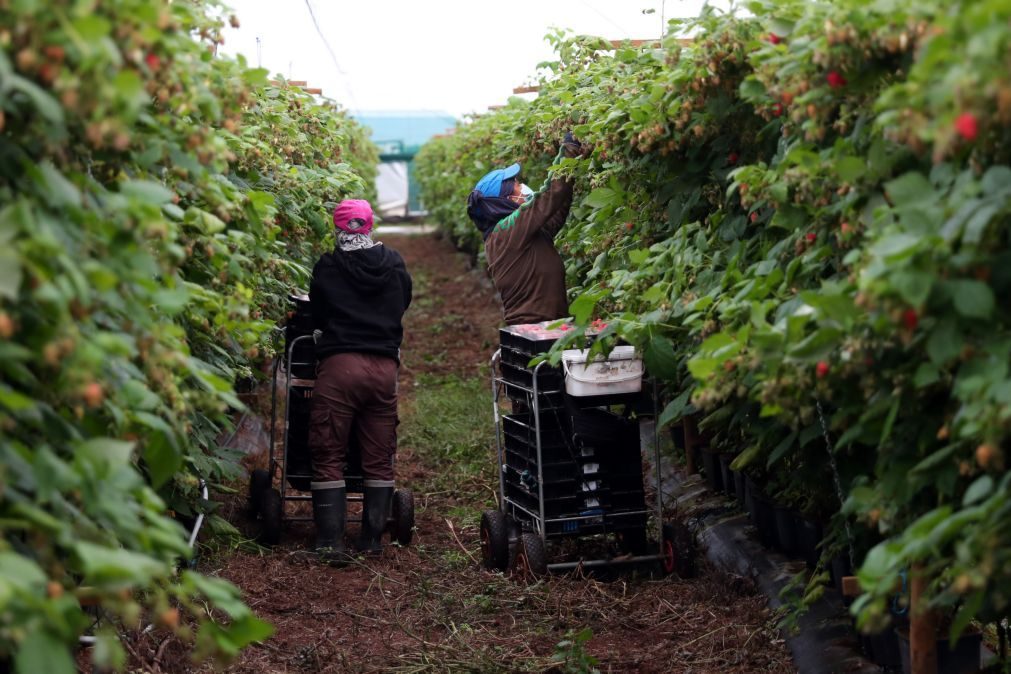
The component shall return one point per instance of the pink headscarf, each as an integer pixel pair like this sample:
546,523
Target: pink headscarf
353,209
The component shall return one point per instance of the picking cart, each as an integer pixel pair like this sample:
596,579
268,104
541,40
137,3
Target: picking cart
291,467
570,467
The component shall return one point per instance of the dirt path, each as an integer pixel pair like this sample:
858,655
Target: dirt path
430,607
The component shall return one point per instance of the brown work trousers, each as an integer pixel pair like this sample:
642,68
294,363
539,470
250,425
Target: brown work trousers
354,401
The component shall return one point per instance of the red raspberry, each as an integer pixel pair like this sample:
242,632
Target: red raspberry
967,126
835,80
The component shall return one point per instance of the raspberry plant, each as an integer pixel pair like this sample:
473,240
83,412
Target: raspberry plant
803,216
157,204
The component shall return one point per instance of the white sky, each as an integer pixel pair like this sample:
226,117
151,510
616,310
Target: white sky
458,56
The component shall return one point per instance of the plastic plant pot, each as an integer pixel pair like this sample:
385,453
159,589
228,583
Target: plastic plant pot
809,535
963,658
727,475
711,464
740,488
786,529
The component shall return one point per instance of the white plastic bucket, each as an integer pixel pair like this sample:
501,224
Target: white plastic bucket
620,372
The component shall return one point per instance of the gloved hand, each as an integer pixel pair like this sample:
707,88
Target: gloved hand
571,146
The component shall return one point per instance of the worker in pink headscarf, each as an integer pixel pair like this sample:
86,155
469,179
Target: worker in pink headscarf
358,295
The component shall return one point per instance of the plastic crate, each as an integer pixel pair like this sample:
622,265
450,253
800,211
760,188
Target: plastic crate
521,427
547,379
531,339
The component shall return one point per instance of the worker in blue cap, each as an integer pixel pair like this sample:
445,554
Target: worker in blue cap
519,227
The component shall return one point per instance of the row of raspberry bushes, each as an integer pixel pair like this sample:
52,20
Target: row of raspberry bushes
157,204
802,219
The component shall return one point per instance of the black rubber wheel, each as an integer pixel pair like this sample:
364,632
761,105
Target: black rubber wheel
271,510
668,550
494,540
259,482
513,531
402,526
531,557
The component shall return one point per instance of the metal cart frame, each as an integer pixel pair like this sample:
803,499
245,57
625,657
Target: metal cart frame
269,503
538,520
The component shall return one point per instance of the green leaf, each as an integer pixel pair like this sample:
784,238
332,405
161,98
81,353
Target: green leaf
112,567
659,358
108,450
913,286
44,103
146,190
895,245
22,572
850,169
10,273
582,307
674,409
944,342
602,197
935,459
926,374
162,459
42,652
972,299
752,89
911,188
967,612
637,257
92,28
978,490
816,345
781,449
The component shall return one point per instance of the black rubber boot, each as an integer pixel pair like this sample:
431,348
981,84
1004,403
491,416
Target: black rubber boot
375,511
329,512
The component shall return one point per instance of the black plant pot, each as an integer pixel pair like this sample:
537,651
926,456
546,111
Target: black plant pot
786,529
727,475
740,489
840,567
883,648
808,537
964,658
762,514
711,465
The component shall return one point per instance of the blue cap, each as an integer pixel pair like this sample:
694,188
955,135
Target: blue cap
491,184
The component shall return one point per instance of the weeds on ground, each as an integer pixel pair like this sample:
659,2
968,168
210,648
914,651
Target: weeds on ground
450,428
571,655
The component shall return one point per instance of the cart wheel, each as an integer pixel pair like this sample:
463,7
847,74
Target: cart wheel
271,511
402,530
531,557
494,540
259,482
668,550
513,531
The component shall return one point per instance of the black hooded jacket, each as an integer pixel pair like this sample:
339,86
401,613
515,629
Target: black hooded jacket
358,299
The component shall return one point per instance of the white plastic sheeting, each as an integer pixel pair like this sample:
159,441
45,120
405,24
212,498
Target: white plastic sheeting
392,188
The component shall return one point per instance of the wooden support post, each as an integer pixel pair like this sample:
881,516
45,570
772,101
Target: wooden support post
526,90
691,441
922,628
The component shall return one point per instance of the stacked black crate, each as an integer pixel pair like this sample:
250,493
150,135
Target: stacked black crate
557,468
610,445
590,473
